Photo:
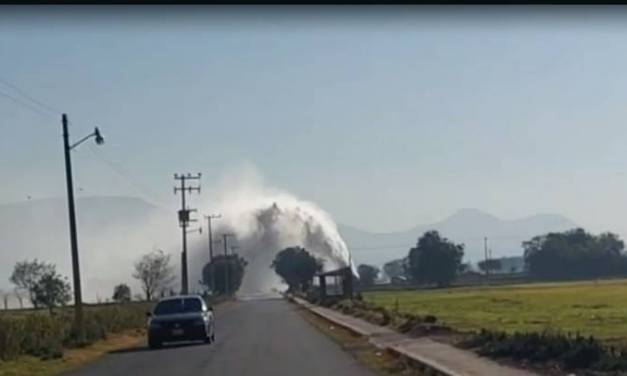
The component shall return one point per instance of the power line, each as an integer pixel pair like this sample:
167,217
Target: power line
48,111
26,105
126,175
23,93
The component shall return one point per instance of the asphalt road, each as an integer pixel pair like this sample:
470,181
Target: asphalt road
253,337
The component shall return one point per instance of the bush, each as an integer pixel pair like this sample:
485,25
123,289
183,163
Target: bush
42,335
570,352
11,333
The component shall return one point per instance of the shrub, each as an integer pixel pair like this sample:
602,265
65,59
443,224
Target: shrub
569,352
42,335
11,334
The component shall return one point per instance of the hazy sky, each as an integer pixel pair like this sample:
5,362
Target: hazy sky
385,117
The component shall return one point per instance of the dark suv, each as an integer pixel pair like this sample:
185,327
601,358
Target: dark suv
180,318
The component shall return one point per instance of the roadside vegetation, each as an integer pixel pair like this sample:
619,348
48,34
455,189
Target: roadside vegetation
48,332
72,358
46,336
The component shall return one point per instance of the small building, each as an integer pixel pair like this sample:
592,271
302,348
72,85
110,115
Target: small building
335,284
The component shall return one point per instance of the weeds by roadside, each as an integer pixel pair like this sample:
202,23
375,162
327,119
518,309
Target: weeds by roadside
566,351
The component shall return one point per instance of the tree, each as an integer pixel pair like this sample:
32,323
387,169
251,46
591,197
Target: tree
154,272
395,268
27,273
121,293
20,296
489,265
575,254
220,264
434,259
296,267
367,274
51,290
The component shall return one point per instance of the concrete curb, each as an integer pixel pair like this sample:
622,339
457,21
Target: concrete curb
414,349
434,367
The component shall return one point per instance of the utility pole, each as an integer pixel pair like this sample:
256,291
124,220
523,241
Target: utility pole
485,251
76,275
184,220
350,272
226,264
211,266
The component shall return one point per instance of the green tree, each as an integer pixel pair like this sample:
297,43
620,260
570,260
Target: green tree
51,289
434,260
154,272
575,254
296,267
121,293
367,274
232,264
26,274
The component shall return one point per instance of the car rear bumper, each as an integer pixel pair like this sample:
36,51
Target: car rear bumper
191,333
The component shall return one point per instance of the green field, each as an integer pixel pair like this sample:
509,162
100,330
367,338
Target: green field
591,308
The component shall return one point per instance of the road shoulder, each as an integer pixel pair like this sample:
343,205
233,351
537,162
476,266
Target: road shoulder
379,361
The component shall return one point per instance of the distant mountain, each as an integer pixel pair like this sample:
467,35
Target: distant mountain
468,226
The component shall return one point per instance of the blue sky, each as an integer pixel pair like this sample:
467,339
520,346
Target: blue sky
386,117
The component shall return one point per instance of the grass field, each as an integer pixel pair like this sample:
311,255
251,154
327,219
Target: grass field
591,308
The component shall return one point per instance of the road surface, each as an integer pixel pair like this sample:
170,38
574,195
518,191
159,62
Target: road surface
253,337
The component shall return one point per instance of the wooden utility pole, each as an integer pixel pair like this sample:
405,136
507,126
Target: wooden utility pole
184,220
226,264
211,266
76,274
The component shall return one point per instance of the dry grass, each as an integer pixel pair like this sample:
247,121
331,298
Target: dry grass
72,358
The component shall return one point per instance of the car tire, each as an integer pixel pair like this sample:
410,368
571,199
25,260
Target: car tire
153,344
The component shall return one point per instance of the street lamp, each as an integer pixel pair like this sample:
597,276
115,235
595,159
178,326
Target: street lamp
67,147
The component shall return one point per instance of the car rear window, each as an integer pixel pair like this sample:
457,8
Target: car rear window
171,306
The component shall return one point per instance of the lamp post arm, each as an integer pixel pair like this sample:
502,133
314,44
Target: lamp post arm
82,140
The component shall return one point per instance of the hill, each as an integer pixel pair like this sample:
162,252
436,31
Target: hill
468,226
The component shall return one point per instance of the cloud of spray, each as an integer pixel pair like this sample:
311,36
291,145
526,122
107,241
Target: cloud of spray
266,220
115,232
